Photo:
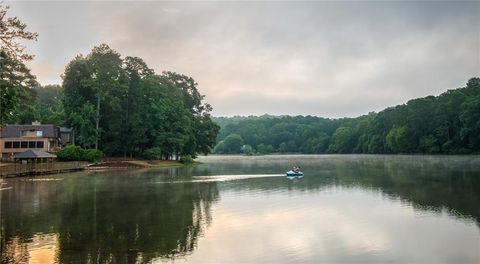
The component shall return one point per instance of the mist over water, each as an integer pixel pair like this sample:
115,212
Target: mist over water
347,208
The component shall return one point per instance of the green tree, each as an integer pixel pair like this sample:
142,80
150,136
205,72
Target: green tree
49,105
470,116
343,140
247,150
398,141
109,83
16,81
220,147
134,108
79,100
233,144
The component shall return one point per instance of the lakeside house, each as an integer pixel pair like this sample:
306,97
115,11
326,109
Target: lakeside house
15,139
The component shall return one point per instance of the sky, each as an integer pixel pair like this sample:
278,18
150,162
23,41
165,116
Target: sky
329,59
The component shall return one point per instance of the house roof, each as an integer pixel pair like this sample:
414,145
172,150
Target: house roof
66,129
34,154
49,131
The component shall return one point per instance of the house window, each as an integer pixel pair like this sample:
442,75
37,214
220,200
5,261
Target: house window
39,144
16,144
24,133
24,144
8,144
31,144
39,133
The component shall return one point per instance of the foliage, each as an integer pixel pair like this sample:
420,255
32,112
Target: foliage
16,81
48,106
154,153
397,140
76,153
136,110
92,155
343,140
247,150
448,123
233,143
187,159
70,153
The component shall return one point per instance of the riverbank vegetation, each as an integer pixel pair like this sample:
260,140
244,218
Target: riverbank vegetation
444,124
74,153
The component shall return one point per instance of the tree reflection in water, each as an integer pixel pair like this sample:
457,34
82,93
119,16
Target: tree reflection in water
101,219
135,217
432,183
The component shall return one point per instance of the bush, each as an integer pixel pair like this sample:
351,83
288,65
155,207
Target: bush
153,153
92,155
247,150
70,153
186,159
76,153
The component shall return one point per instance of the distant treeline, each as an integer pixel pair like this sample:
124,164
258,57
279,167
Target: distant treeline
445,124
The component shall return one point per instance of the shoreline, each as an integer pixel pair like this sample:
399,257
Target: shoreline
107,165
114,164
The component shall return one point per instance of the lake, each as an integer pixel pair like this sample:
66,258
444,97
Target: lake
237,209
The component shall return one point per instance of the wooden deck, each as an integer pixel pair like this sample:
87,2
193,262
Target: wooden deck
11,170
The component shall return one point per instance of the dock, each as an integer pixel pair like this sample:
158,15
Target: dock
8,170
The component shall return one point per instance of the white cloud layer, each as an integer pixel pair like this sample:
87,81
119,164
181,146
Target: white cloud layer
317,58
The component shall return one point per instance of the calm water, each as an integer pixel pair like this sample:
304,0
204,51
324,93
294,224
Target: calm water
347,209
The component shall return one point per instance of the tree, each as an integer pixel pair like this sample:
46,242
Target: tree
48,106
247,150
343,140
84,120
203,131
220,147
470,116
134,129
283,148
398,141
232,144
16,81
134,109
108,80
448,123
79,100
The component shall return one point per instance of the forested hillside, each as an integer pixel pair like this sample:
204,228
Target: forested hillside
448,123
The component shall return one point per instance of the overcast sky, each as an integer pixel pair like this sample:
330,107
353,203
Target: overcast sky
250,58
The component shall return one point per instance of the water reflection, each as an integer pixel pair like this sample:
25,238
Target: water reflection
346,208
104,218
432,183
38,249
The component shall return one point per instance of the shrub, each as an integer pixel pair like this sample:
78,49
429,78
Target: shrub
76,153
70,153
153,153
186,159
92,155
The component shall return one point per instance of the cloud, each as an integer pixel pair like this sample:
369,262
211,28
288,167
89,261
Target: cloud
318,58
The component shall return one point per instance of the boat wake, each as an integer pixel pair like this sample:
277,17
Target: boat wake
223,178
